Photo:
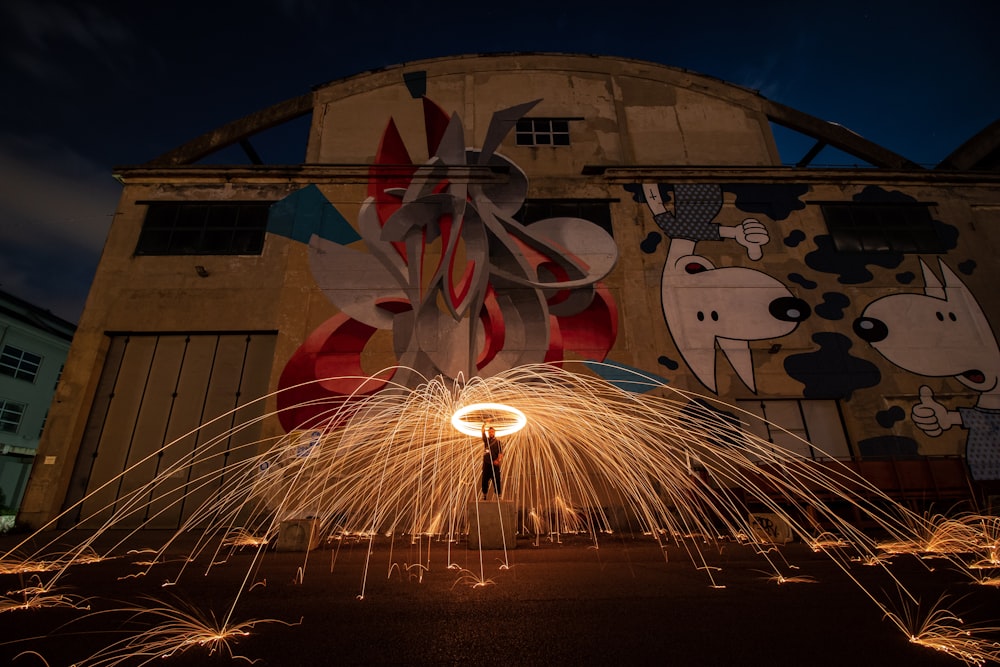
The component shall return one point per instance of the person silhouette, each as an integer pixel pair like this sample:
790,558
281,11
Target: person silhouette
492,455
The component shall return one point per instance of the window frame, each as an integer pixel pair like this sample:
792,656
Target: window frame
8,408
189,227
534,210
18,370
543,131
881,227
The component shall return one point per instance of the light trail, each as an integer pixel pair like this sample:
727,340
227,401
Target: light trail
504,419
581,457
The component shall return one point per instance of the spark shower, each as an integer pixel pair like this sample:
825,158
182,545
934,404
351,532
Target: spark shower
581,456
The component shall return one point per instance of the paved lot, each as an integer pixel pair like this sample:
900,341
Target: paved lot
627,603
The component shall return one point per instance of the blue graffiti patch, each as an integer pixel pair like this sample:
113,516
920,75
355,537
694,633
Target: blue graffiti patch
831,371
800,279
651,242
626,377
794,238
886,418
306,212
833,306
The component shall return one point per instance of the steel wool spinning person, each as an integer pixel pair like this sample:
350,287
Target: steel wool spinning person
492,455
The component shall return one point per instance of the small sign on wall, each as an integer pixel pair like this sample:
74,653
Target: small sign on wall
768,527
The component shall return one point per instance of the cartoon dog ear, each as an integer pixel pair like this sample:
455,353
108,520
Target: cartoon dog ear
932,286
738,354
951,281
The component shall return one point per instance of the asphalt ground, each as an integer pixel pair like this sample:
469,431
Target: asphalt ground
555,603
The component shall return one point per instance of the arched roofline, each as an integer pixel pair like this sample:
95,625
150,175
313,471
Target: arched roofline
836,135
236,131
824,132
979,152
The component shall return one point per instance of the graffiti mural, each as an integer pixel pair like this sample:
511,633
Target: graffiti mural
705,305
463,287
943,333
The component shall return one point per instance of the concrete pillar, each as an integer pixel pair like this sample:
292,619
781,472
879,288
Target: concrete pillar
492,525
297,535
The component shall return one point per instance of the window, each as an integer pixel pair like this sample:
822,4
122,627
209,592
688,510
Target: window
811,428
873,227
597,211
203,228
542,132
10,416
19,364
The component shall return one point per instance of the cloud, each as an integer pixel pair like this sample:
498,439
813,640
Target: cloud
41,32
49,194
55,207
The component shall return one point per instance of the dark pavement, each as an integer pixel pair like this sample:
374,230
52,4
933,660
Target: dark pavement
557,604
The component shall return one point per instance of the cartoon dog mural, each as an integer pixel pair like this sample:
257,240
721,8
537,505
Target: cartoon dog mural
943,333
704,304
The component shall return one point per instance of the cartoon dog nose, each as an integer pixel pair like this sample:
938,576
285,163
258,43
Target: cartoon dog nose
789,309
870,329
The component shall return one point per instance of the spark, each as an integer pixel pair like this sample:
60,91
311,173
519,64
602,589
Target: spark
11,563
173,629
935,535
827,541
798,579
244,538
944,631
590,459
41,595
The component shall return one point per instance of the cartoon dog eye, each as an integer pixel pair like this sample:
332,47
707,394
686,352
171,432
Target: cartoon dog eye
871,330
789,309
951,316
714,315
694,267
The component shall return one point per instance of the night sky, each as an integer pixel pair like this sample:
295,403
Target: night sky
94,85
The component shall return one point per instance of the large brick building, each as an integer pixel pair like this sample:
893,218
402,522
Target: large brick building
466,215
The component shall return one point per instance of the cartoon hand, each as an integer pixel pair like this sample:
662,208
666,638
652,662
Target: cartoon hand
930,416
752,234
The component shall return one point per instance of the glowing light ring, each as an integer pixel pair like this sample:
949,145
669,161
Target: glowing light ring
475,428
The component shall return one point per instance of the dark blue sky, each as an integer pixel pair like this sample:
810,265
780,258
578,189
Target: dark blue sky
93,85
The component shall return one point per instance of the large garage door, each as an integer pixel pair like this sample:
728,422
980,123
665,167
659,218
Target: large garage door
154,394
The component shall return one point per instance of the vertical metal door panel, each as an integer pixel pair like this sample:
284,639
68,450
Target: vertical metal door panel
182,436
245,442
212,454
113,448
164,411
87,455
150,428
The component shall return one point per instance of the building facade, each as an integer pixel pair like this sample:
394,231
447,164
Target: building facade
33,348
466,215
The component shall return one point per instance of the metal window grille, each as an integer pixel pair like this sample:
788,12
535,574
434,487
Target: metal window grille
597,211
203,228
542,132
19,363
882,228
10,416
